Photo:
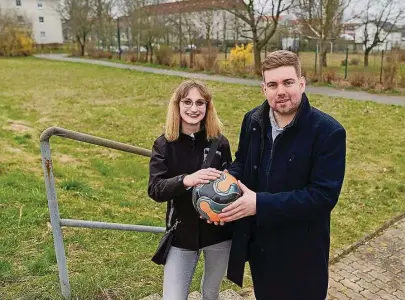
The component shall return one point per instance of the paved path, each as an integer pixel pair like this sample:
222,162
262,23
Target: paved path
357,95
375,270
225,295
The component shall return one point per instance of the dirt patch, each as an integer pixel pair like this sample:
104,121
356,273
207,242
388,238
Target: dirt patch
19,127
12,149
13,154
66,159
107,294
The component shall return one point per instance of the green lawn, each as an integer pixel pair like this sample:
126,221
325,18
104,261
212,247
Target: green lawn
106,185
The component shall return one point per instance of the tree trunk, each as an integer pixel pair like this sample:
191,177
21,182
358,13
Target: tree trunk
191,57
258,61
321,51
323,58
366,55
81,45
256,53
208,39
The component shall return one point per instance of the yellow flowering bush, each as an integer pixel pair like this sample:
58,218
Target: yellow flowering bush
15,37
241,57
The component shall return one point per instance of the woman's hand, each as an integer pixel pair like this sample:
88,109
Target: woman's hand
215,223
200,177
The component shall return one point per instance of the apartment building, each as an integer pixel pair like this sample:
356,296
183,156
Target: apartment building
43,14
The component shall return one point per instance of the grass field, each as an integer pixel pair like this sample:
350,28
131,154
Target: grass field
105,185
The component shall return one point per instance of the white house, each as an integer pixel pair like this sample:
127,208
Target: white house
46,21
357,32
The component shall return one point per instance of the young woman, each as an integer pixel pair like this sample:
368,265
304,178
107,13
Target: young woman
175,167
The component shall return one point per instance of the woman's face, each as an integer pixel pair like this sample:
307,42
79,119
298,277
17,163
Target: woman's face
192,108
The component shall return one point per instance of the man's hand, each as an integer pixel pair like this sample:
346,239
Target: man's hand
201,176
243,207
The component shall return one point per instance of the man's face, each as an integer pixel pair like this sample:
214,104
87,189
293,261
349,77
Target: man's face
283,89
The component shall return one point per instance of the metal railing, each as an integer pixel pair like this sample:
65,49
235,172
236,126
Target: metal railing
55,219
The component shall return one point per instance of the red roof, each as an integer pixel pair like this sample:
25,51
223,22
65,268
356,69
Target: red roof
193,6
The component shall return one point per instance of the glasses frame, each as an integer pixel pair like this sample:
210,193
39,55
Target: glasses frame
194,103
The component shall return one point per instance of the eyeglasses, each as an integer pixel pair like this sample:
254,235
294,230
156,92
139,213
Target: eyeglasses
187,103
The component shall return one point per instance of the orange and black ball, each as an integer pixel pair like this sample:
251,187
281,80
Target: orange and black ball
209,199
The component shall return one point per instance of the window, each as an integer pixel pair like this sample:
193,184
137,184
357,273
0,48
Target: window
41,19
43,34
18,2
20,19
40,5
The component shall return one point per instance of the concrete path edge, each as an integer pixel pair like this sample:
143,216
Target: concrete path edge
342,253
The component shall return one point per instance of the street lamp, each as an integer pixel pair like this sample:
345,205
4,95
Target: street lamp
119,38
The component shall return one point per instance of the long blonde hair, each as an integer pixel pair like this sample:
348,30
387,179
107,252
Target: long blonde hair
213,125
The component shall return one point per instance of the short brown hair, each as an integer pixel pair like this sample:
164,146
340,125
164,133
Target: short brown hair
281,58
213,125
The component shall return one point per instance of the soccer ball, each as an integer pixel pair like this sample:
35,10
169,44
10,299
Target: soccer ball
210,198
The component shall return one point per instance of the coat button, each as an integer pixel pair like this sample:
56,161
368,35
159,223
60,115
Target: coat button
254,128
255,167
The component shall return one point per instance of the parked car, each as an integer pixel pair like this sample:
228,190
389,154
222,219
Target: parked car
189,47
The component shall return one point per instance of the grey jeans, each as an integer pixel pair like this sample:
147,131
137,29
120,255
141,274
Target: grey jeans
180,266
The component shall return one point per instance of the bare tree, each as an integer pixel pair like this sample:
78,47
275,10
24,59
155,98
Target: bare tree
322,21
190,30
262,18
152,31
205,21
80,16
151,25
237,26
104,20
147,23
129,8
378,21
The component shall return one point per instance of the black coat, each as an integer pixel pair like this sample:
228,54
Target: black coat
170,161
287,241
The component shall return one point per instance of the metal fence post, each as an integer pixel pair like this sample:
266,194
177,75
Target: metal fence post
382,66
55,219
347,61
316,57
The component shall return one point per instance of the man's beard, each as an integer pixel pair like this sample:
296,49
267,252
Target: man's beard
285,111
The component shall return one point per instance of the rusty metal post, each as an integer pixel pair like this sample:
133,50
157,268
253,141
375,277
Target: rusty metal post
55,219
90,139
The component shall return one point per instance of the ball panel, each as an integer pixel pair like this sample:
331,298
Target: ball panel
207,191
208,212
226,182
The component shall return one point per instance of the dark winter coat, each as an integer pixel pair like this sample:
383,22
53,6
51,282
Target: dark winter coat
287,241
169,163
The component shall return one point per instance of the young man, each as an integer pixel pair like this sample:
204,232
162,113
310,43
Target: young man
290,163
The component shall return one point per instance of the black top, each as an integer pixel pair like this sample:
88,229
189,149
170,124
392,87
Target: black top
169,162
